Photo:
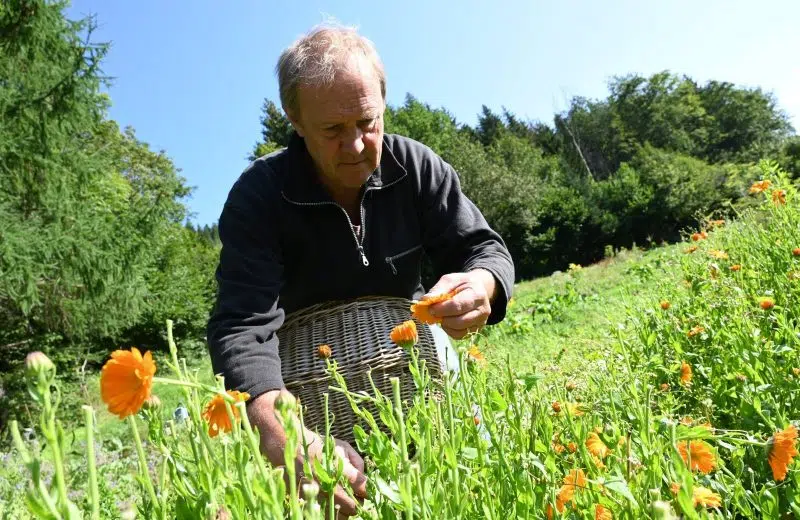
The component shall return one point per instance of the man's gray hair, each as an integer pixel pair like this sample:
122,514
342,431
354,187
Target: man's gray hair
315,58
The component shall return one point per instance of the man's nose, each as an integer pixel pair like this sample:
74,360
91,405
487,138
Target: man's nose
353,142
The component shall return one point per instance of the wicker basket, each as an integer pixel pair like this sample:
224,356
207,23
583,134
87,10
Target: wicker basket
358,334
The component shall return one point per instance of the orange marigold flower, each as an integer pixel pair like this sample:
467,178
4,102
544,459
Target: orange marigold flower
126,381
558,447
216,415
572,447
686,373
691,249
779,197
421,311
718,254
405,334
705,497
674,488
665,304
796,251
324,351
596,446
716,223
575,479
695,331
766,303
556,406
702,456
760,186
697,236
474,355
735,267
782,449
602,513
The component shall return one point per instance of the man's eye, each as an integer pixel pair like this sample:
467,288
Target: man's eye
334,128
366,123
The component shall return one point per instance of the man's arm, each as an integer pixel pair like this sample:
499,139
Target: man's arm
472,256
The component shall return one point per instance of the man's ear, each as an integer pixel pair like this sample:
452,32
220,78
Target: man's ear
295,121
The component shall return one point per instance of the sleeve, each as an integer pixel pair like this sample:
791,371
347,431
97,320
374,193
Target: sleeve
456,235
241,329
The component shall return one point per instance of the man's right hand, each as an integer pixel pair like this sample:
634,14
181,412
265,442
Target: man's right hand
261,412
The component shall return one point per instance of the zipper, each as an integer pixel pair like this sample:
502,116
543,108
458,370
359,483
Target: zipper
359,243
390,259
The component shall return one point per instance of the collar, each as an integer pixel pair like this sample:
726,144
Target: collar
303,184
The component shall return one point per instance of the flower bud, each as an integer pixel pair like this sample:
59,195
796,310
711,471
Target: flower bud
37,363
152,403
285,402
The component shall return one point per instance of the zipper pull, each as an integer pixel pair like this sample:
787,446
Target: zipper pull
363,256
391,264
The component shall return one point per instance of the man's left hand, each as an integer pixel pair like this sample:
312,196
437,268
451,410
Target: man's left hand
471,306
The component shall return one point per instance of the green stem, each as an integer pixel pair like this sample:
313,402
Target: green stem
52,435
405,477
143,462
94,494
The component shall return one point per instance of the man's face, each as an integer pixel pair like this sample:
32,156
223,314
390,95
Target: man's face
343,128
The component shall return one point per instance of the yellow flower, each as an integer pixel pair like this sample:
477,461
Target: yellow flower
474,355
718,254
574,409
126,381
782,449
216,415
705,497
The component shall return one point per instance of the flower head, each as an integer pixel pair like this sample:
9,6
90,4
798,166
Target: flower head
686,373
735,267
324,351
695,331
216,415
665,304
796,251
126,381
782,449
421,309
760,186
602,513
705,497
405,334
701,454
766,303
779,197
596,446
718,254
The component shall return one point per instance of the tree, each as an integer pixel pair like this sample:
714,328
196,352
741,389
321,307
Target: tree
276,129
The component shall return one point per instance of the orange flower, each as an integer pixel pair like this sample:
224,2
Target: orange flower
686,421
702,455
549,510
126,381
760,186
766,303
576,478
601,513
695,331
718,254
674,488
572,447
782,449
705,497
216,415
686,373
324,351
779,197
476,420
691,249
664,387
420,310
697,236
405,334
716,223
474,355
735,267
596,446
556,407
796,251
558,447
665,304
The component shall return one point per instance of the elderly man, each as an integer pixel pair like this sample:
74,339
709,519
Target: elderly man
344,211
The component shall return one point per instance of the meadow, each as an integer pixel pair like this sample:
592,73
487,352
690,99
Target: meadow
658,383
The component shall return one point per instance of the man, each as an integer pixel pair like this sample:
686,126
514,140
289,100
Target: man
344,211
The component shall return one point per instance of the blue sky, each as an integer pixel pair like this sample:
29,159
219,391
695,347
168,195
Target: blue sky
191,77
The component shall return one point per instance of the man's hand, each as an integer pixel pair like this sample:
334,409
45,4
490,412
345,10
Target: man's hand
470,308
261,412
